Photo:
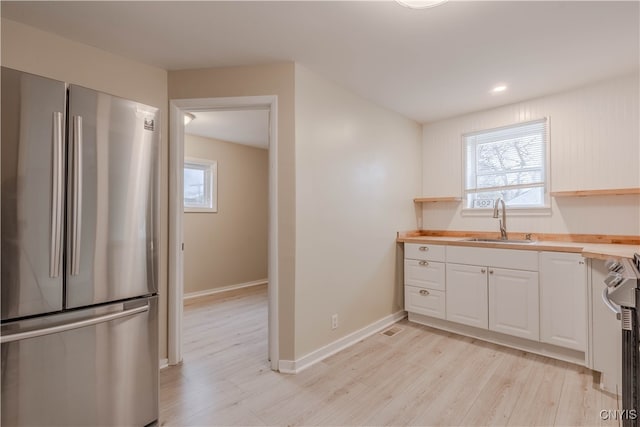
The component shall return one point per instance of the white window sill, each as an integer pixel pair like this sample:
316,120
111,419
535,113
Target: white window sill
200,210
545,211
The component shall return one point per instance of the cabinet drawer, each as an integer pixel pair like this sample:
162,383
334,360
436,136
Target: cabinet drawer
501,258
424,301
424,274
424,252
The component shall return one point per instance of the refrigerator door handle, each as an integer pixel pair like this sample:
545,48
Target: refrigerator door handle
75,325
56,196
76,226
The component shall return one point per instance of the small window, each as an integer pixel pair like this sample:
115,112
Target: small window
508,162
200,185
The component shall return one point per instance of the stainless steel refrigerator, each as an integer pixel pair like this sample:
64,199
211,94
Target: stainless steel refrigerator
79,260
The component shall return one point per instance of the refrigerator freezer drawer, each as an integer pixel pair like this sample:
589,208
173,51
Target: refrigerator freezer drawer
88,367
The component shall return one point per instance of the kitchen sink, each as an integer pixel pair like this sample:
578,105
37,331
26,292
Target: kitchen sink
482,240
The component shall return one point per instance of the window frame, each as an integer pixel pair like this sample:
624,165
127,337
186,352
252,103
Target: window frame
211,175
544,209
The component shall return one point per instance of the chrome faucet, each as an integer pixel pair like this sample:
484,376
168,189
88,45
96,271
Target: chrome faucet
503,220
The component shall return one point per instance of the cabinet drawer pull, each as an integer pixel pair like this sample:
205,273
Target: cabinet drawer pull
490,271
424,292
425,263
423,248
482,270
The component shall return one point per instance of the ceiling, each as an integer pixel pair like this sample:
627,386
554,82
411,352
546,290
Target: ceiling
247,127
425,64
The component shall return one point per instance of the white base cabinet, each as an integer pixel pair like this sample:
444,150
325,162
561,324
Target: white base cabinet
563,299
513,302
467,295
538,298
424,280
497,299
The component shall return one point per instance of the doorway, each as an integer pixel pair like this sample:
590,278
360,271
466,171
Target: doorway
178,108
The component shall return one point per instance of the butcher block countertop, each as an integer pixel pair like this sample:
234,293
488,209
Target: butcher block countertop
595,246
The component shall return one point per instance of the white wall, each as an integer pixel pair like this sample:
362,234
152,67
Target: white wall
228,247
357,170
594,144
258,80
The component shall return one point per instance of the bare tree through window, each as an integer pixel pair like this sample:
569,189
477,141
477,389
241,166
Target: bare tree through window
507,162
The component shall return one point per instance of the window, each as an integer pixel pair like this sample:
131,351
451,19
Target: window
508,162
200,185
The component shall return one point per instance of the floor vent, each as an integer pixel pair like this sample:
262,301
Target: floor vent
392,331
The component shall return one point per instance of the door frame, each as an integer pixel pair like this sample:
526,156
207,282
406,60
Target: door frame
175,290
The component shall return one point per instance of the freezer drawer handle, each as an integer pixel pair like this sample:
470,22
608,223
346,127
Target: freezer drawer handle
77,195
55,253
81,324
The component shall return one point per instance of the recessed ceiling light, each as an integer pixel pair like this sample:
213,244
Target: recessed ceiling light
420,4
499,88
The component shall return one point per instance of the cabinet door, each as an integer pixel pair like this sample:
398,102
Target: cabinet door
513,302
563,307
466,300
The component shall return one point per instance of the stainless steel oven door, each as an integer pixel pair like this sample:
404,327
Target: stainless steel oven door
89,367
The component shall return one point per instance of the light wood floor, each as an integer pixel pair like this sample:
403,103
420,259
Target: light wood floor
420,376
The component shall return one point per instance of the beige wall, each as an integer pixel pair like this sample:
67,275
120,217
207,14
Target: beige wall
28,49
228,247
358,167
593,137
274,79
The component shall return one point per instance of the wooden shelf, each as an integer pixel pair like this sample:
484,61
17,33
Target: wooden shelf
436,199
586,193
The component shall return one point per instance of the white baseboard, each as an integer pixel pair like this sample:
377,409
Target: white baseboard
164,363
537,347
199,294
287,366
295,366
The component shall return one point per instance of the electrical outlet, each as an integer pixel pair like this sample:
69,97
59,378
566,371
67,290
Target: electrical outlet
334,321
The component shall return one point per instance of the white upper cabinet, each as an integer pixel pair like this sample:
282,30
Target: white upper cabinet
563,300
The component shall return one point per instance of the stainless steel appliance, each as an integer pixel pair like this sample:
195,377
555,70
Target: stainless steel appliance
622,296
79,222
